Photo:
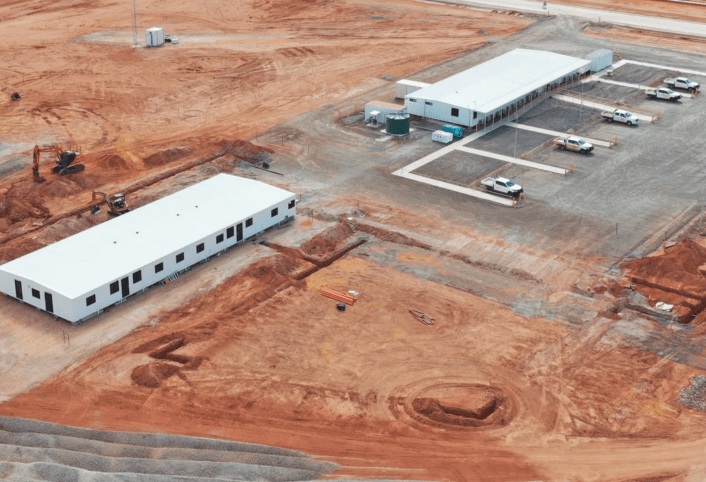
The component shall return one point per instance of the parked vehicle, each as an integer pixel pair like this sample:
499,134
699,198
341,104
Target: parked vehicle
573,144
663,93
502,185
457,131
620,116
682,83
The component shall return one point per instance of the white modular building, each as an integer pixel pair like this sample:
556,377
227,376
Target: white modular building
600,59
480,93
154,37
376,111
404,87
81,275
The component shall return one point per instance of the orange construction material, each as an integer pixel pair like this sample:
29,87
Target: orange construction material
338,296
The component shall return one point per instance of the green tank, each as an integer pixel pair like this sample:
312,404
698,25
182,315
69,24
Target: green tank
397,124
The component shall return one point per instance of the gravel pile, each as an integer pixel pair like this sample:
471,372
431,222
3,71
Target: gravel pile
34,450
694,396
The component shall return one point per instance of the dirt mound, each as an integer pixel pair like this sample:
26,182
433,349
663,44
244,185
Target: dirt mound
60,187
153,374
328,241
686,256
165,157
111,162
16,210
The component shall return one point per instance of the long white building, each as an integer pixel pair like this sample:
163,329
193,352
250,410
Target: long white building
79,276
479,93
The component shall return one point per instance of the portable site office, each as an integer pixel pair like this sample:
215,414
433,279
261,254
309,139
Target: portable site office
79,276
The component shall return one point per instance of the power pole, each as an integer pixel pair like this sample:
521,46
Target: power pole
134,24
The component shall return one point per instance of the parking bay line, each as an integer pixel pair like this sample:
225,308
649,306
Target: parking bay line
460,189
514,160
665,67
634,86
597,105
556,133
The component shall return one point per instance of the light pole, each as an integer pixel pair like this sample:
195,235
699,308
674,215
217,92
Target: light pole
134,24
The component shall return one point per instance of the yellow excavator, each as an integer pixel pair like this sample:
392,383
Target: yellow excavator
67,162
117,205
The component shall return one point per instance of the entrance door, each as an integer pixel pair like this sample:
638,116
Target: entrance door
125,285
49,302
239,232
18,289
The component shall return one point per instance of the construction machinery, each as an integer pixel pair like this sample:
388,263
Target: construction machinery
117,205
67,162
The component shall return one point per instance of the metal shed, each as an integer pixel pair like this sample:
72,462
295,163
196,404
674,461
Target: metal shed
471,96
376,111
79,276
600,59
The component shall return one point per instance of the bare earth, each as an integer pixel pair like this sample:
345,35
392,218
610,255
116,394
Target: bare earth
245,347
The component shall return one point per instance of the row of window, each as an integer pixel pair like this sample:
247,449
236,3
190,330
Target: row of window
137,275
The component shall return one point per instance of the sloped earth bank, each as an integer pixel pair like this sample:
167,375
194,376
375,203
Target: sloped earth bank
692,10
482,394
654,39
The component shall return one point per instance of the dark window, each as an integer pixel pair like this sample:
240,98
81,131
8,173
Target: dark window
248,222
291,204
114,287
428,103
18,289
274,212
475,115
230,232
413,100
199,248
219,238
158,267
35,293
180,257
454,111
137,276
90,300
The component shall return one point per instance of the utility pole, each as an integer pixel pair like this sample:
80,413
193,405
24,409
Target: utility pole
134,24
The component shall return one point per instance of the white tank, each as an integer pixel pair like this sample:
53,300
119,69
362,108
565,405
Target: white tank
154,36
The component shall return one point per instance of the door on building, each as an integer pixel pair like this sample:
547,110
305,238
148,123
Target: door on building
18,289
49,302
239,232
125,285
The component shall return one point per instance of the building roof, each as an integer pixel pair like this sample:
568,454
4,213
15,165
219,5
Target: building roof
498,82
413,83
385,105
102,254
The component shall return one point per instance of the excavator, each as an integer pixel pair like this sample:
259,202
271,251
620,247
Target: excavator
67,162
117,205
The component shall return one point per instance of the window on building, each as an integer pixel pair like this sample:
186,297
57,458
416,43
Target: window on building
291,204
199,248
475,115
413,100
157,268
274,212
35,293
428,103
230,232
248,222
180,257
114,287
219,238
454,111
90,300
137,276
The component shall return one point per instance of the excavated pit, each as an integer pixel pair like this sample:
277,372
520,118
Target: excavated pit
461,405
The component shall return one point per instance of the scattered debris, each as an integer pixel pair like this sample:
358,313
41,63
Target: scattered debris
421,316
353,293
15,96
694,396
341,307
338,296
661,305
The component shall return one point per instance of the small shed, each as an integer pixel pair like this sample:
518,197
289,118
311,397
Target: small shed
600,59
376,111
404,87
154,37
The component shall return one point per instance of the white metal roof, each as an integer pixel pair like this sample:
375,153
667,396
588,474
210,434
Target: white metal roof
103,253
498,82
413,83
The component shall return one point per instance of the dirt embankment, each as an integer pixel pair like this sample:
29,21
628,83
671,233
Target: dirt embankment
646,37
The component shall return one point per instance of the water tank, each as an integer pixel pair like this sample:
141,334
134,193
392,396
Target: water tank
154,36
397,124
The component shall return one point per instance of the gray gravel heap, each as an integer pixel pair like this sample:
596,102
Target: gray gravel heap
34,450
694,396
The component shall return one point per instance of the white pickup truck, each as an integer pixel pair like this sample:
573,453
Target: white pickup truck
663,93
502,185
573,144
620,116
682,83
